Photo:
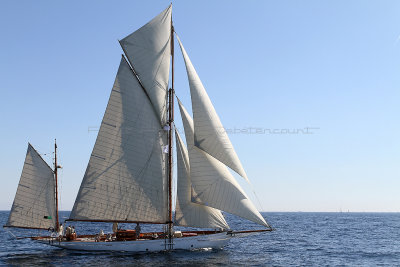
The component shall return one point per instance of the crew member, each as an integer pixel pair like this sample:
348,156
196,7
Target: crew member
61,230
137,229
68,233
73,233
115,227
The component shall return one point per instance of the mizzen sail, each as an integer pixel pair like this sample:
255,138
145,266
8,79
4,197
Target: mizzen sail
213,184
34,202
210,135
188,213
126,175
148,50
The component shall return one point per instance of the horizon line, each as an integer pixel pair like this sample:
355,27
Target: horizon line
298,211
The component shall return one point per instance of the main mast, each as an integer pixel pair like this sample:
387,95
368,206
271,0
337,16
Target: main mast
148,54
56,184
171,120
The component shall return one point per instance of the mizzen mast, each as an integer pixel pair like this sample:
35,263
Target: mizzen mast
56,185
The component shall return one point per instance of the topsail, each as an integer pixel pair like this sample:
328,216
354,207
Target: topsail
148,50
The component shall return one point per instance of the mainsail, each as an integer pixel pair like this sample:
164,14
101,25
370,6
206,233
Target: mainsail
148,50
213,184
126,175
210,135
34,203
188,213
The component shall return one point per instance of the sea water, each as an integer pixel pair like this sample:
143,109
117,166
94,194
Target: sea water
300,239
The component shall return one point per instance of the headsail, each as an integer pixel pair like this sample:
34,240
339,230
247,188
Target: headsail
126,175
34,202
213,184
148,50
188,213
210,135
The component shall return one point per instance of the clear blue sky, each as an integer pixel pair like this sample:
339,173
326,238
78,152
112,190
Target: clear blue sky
278,65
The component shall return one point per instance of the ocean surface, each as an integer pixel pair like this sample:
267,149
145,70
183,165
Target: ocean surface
300,239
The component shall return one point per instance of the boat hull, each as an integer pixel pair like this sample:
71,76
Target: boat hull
214,241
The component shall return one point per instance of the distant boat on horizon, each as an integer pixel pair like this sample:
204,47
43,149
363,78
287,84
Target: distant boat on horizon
129,175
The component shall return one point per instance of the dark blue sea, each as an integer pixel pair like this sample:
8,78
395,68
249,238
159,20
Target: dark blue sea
300,239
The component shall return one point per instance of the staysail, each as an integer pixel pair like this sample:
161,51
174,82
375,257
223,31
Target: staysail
213,184
148,50
126,175
34,202
210,135
188,213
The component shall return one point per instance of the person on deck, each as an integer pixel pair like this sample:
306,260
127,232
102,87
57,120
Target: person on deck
137,229
61,230
73,233
115,227
69,233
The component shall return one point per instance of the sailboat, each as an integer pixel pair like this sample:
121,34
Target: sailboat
129,177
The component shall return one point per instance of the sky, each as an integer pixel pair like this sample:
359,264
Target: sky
309,91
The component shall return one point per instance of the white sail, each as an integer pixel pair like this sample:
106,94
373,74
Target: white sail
148,49
126,175
188,213
213,184
34,203
210,135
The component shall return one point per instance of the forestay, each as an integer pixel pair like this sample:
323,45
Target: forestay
210,135
213,184
188,213
34,203
148,50
126,175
